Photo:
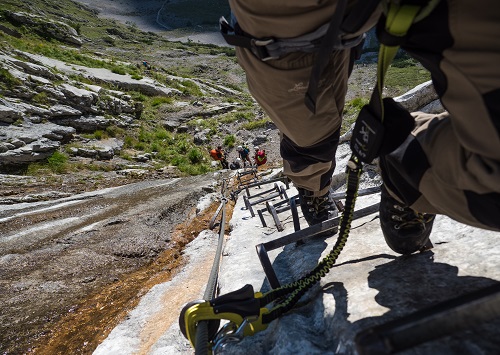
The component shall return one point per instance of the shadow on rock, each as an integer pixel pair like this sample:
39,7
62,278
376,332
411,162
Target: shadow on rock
409,284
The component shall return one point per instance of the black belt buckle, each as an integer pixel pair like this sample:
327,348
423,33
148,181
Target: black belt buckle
259,48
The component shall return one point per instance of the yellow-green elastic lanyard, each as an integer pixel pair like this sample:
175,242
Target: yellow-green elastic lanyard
399,20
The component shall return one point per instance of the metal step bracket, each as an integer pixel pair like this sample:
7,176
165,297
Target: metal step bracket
301,235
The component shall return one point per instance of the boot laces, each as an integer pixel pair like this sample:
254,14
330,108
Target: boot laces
318,204
408,218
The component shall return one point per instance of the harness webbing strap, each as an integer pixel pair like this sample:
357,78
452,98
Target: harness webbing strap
273,48
327,45
359,15
398,21
270,48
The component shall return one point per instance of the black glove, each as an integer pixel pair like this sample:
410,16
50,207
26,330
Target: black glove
371,138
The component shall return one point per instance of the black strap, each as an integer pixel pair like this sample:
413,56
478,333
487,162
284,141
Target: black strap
359,15
328,43
237,37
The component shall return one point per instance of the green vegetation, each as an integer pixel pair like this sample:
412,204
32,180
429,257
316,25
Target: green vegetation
400,80
122,48
351,111
57,163
41,98
246,115
168,148
7,80
160,100
229,140
256,124
403,75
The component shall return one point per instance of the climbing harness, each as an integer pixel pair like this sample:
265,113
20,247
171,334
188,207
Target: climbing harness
248,312
274,48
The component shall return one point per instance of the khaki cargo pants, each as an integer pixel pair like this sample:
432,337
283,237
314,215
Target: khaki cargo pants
451,163
309,141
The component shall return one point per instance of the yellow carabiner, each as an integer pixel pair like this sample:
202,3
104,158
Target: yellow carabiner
234,307
205,312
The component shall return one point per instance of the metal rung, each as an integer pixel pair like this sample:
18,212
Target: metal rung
272,210
245,173
261,216
260,183
281,193
275,188
336,198
300,235
362,192
295,212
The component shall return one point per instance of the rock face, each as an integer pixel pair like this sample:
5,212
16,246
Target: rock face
52,29
369,284
38,113
421,98
32,142
41,107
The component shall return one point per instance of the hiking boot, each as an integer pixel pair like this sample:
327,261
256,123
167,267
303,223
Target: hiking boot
317,209
405,230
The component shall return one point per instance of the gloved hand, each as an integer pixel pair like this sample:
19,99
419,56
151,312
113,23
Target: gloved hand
372,138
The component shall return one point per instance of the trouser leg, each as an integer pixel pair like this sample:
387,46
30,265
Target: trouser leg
310,167
309,140
450,164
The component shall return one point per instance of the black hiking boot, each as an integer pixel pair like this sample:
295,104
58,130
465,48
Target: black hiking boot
405,230
318,209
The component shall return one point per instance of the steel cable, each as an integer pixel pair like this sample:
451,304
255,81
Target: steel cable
201,340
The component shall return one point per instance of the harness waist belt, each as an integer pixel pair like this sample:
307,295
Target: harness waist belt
274,48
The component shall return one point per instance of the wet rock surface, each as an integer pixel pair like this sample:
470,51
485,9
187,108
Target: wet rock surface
76,261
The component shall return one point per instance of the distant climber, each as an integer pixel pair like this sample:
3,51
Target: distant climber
244,154
260,156
219,155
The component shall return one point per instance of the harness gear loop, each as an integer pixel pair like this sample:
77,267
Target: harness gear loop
274,48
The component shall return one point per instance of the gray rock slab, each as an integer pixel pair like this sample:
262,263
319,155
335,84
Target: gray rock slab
368,285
